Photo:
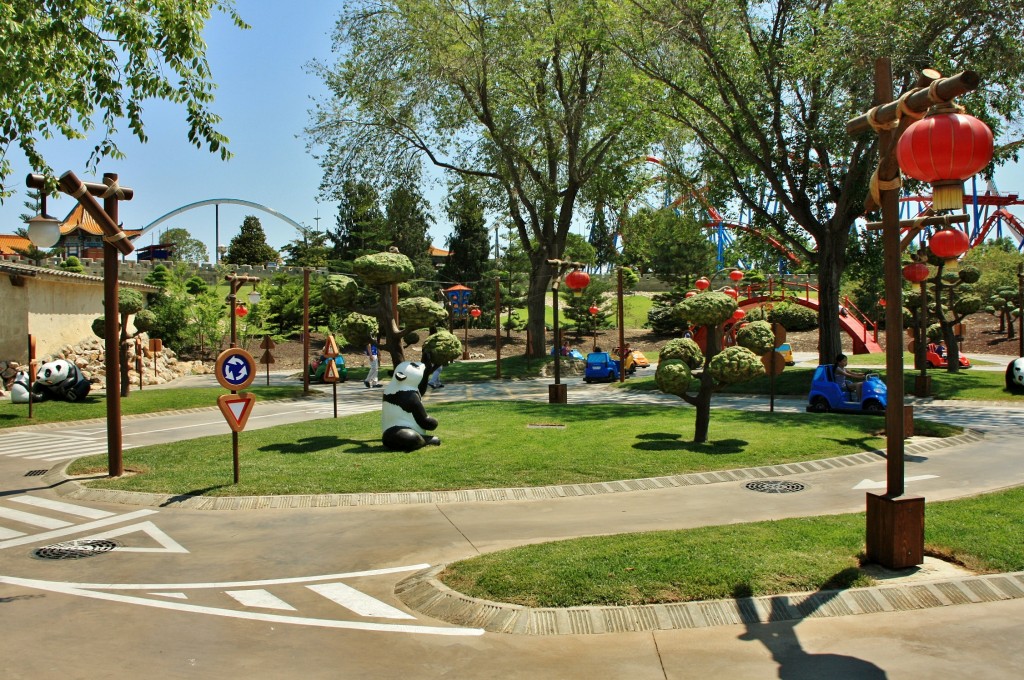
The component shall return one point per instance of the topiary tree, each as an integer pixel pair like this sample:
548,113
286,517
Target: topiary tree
72,264
952,299
440,349
1003,305
129,302
681,361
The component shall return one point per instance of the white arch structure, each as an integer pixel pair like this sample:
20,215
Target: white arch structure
216,202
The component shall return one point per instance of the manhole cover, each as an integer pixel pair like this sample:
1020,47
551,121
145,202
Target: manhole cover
35,473
73,550
775,486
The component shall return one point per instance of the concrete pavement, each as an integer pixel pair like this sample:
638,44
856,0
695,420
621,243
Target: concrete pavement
170,613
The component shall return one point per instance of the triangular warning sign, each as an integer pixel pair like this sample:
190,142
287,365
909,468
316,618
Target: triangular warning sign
167,543
236,409
331,372
267,358
267,343
330,347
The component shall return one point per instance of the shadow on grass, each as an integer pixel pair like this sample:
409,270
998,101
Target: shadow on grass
324,443
668,441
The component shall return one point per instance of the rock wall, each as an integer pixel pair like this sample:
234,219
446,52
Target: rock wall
89,356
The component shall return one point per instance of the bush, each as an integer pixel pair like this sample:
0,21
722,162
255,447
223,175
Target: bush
359,328
443,347
735,365
682,349
673,377
756,336
794,317
707,309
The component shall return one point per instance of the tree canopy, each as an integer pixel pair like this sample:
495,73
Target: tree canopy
186,247
250,246
76,65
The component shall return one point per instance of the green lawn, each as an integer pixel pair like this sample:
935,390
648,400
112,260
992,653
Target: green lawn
634,309
139,401
591,443
908,361
756,559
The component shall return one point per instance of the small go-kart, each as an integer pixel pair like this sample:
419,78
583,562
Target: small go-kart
318,368
786,350
936,360
827,395
634,359
601,367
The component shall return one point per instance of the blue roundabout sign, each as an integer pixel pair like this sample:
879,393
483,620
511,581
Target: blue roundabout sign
236,369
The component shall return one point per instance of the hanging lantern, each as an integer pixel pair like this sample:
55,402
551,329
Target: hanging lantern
702,284
593,310
241,311
916,272
738,314
576,281
949,244
944,149
690,293
475,313
731,292
736,275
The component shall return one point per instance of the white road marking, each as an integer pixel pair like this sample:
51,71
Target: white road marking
67,508
88,526
871,484
10,533
176,596
34,520
72,589
148,528
360,603
259,598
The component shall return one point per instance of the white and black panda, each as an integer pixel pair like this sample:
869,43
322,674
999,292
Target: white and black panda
20,388
1015,376
404,421
61,380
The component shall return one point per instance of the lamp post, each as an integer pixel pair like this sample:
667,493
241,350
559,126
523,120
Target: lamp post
114,241
593,316
236,310
576,281
221,249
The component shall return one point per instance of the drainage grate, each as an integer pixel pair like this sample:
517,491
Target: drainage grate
74,550
775,486
35,473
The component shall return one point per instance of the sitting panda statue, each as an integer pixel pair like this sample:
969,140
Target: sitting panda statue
59,380
403,419
20,388
1015,376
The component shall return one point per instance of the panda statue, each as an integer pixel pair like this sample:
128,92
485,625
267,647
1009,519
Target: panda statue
20,388
403,419
59,380
1015,376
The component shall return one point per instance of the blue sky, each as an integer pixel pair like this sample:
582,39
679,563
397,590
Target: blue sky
264,95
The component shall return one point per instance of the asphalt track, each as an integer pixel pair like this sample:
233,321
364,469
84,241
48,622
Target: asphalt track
305,587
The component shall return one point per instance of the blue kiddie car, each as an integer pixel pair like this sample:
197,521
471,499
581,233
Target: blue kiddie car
827,395
601,366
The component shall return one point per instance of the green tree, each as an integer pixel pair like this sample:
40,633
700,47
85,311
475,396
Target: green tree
309,251
72,264
527,97
469,243
767,88
407,221
250,245
359,226
95,62
672,245
186,248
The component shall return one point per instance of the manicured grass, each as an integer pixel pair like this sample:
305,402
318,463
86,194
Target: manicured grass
634,310
796,381
487,445
139,401
756,559
908,361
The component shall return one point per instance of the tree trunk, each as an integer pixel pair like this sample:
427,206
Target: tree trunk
830,268
387,324
702,420
540,277
952,349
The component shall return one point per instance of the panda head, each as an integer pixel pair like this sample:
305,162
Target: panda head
1015,375
54,372
406,376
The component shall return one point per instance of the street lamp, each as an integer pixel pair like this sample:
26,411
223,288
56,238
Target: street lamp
593,315
221,249
43,230
576,281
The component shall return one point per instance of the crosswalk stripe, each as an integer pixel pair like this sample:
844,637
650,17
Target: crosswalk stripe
259,598
34,520
67,508
78,528
360,603
10,533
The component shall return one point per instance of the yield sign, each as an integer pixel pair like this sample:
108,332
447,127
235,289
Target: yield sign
236,409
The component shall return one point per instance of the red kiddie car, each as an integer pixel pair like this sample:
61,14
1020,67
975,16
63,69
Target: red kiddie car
936,360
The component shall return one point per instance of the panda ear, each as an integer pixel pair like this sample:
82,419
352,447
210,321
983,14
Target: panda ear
399,376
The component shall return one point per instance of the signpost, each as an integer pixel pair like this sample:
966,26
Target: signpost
235,370
331,370
267,358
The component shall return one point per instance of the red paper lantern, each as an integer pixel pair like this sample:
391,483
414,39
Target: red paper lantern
736,275
475,313
949,244
576,281
731,292
702,284
945,149
916,272
241,311
738,314
593,309
690,293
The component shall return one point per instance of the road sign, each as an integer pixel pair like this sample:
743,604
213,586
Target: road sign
267,358
330,347
331,372
236,409
236,369
268,343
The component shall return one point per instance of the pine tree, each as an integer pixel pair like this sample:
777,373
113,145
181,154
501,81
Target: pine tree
469,243
360,222
250,245
407,226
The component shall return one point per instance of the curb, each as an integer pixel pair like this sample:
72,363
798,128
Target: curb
425,594
70,488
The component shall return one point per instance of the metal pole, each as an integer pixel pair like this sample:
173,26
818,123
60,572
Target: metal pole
111,331
216,233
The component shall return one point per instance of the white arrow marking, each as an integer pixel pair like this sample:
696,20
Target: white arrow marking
148,528
871,484
78,528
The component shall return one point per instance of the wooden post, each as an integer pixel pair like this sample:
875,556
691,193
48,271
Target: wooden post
497,319
621,314
111,331
305,330
31,370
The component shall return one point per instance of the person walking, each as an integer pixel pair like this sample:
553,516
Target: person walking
371,376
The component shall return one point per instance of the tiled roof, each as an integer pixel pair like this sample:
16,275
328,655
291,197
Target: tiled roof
434,251
79,219
8,242
21,269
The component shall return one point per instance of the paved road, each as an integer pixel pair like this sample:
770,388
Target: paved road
310,591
